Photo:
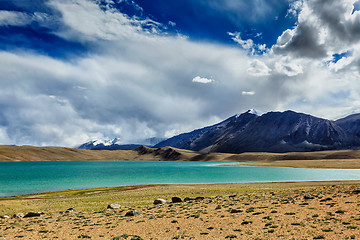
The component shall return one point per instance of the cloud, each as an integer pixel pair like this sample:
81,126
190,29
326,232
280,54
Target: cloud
14,18
250,93
258,68
303,41
288,67
108,23
134,82
323,29
199,79
248,44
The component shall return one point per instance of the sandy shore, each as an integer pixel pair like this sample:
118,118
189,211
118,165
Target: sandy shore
228,211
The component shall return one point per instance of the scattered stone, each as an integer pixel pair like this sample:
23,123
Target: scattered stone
187,199
176,200
232,196
33,214
113,206
69,210
309,196
132,213
236,210
159,201
19,215
357,191
199,198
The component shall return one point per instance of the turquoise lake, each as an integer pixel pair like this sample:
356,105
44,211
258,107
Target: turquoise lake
20,178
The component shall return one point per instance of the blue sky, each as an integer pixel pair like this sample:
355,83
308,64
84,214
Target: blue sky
73,71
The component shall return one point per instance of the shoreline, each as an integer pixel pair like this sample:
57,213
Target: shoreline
96,190
315,164
342,159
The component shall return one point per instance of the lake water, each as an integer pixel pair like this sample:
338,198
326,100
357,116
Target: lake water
19,178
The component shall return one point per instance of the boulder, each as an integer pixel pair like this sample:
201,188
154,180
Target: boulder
34,214
308,196
159,201
132,213
357,191
232,196
113,206
5,217
236,210
321,195
19,215
69,210
176,200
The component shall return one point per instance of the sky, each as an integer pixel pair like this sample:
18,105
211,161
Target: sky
78,70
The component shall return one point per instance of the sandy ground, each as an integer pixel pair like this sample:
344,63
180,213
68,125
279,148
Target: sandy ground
228,211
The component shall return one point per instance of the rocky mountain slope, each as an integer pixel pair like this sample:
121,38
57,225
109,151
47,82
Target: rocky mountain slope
271,132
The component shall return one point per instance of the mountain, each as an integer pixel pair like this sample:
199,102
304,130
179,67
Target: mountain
351,124
271,132
116,144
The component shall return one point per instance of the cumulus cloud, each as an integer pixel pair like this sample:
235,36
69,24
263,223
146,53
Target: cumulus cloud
258,68
199,79
324,28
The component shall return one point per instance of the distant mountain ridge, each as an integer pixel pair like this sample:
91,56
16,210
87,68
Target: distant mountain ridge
116,144
277,132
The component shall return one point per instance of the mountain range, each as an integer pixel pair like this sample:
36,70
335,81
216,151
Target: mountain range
117,144
252,131
287,131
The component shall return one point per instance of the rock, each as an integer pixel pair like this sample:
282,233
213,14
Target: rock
19,215
132,213
113,206
218,207
187,199
176,200
199,198
309,196
236,210
321,195
5,217
357,191
159,201
232,196
34,214
69,210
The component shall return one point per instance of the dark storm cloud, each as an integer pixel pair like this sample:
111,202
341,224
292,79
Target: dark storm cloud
304,43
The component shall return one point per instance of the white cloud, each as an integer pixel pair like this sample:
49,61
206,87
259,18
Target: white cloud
248,44
258,68
250,93
199,79
105,24
289,67
14,18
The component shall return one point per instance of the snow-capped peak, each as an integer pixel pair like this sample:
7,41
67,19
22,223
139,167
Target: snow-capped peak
254,111
106,142
251,111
